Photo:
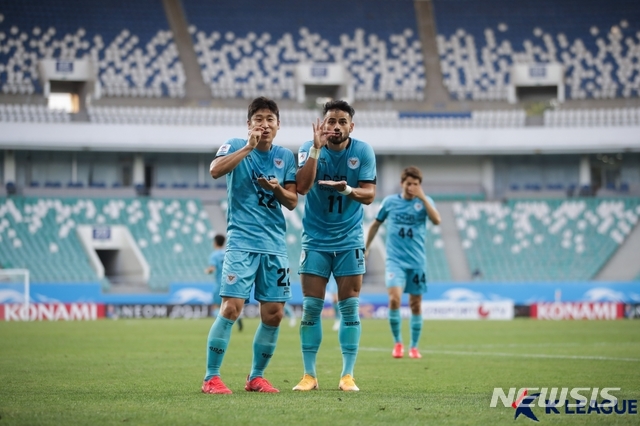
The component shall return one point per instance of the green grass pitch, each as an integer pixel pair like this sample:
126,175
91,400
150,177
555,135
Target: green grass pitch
149,372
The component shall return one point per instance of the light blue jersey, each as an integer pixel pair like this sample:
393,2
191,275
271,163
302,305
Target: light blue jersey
255,222
216,258
406,230
333,222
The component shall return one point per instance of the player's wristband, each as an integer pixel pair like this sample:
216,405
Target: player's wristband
348,190
314,153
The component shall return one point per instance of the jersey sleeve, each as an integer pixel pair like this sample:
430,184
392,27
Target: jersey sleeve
303,153
229,146
368,169
384,210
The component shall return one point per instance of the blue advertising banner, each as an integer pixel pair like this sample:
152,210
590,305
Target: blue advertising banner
200,293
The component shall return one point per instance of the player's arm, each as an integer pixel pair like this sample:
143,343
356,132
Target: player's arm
306,175
222,165
432,212
365,193
210,270
287,195
371,234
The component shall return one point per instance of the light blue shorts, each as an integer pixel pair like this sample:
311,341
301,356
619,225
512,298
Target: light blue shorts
340,263
269,272
412,281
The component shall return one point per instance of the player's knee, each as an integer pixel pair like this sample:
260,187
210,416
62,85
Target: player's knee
394,303
272,313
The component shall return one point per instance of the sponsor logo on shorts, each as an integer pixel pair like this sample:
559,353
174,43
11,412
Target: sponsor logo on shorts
278,162
353,163
232,278
223,149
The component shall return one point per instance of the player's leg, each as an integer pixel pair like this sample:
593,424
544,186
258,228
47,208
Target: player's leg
234,289
315,268
395,279
348,268
311,327
350,328
272,290
217,343
416,286
415,302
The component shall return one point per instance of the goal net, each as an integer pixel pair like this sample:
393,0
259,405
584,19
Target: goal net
14,287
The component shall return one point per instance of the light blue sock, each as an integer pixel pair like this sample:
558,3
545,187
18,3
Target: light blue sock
217,342
264,345
310,332
349,334
416,329
395,322
336,310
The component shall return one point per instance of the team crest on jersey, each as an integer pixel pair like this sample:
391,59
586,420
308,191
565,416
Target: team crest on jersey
223,149
232,278
391,275
353,162
278,162
418,206
301,157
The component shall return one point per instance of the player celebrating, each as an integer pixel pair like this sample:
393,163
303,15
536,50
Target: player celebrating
260,178
406,257
338,175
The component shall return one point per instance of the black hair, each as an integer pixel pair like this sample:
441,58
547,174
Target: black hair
262,103
219,240
338,104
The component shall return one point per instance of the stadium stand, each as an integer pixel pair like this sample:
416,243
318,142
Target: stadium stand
596,42
244,55
39,234
592,117
14,113
303,117
129,43
544,240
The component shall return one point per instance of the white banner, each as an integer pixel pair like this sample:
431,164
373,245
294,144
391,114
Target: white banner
446,310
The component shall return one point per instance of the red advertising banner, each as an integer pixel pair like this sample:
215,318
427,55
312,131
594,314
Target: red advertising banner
52,312
578,311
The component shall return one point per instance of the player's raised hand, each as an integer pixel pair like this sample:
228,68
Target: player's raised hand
268,184
416,191
338,186
255,133
319,134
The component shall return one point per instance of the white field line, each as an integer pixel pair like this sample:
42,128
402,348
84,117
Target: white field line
507,354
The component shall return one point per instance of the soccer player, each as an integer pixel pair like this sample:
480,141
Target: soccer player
216,259
338,175
406,256
260,179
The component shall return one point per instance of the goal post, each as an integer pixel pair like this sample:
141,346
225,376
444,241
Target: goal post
14,286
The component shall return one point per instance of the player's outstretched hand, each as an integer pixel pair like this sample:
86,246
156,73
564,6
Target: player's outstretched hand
319,134
268,184
338,186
